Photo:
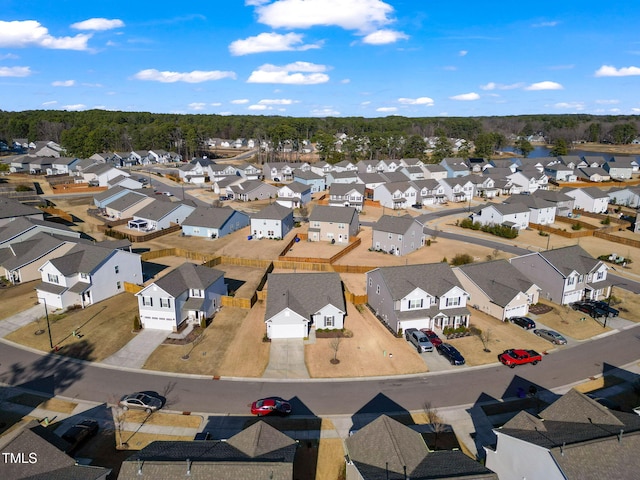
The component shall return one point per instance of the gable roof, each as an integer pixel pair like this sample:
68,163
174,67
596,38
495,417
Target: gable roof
212,217
125,201
394,224
21,225
273,211
593,192
304,293
342,189
186,276
10,208
568,259
306,175
298,187
82,258
324,213
157,209
433,278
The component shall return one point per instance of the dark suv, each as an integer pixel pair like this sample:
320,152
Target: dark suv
612,312
450,352
590,308
524,322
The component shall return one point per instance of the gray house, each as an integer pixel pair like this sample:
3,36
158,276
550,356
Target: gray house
347,195
212,222
11,209
188,293
563,202
335,225
565,275
627,196
252,190
23,228
294,303
159,214
417,296
273,221
397,235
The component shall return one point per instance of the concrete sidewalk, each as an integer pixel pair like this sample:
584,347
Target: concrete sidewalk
21,319
135,353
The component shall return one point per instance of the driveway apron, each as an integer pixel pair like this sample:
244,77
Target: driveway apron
286,359
135,353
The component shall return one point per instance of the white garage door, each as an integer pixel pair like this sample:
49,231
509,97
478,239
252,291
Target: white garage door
421,323
286,331
519,311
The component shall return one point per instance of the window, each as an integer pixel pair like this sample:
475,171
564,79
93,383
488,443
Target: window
196,230
415,303
399,238
329,321
600,276
52,278
195,293
452,302
370,282
118,285
378,289
147,301
165,303
390,235
571,280
341,226
117,269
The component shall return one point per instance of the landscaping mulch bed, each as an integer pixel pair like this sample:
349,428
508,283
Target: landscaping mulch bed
540,309
195,333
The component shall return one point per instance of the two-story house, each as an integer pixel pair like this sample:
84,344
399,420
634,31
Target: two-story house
458,189
347,195
565,275
213,222
541,211
273,221
160,214
188,293
396,195
335,225
434,171
590,199
195,171
627,196
397,235
218,171
100,173
294,195
564,203
294,304
278,171
87,274
455,167
512,215
313,180
430,192
417,296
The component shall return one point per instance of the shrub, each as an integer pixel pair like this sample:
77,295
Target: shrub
606,221
444,260
203,322
429,242
400,333
23,188
543,234
136,323
461,259
576,226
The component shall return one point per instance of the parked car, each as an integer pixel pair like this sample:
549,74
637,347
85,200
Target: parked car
79,434
269,406
524,322
451,353
590,308
418,339
611,312
432,336
551,335
514,356
140,401
417,205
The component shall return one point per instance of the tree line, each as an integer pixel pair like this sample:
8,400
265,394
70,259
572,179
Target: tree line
87,132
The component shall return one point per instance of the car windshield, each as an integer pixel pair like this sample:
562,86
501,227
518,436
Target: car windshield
259,403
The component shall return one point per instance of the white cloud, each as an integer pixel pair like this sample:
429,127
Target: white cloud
546,85
545,24
386,109
258,107
30,33
345,81
416,101
63,83
611,71
325,112
276,101
297,73
240,101
215,104
197,76
270,42
463,53
608,102
365,103
570,105
9,56
501,86
359,15
15,71
75,106
383,37
197,105
98,24
635,110
466,96
51,102
615,110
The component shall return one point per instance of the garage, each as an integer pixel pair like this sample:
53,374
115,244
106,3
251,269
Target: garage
287,330
516,311
419,323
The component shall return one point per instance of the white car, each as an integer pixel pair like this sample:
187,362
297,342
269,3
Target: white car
140,401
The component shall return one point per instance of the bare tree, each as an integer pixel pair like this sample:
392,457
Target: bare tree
119,417
335,346
434,420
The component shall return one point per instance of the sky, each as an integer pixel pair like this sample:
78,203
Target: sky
318,58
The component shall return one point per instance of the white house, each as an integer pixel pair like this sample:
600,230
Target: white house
347,195
189,293
101,173
458,189
160,214
513,215
294,195
87,274
273,221
294,304
542,212
590,199
396,195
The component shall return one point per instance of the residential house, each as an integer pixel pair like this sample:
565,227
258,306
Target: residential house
103,157
321,168
101,199
564,203
159,215
46,149
126,182
417,296
315,181
388,449
345,166
294,195
19,164
570,161
498,288
87,274
218,171
394,177
335,225
295,305
485,187
195,171
430,192
541,212
397,235
565,275
414,172
620,169
477,165
23,228
434,171
278,171
512,215
455,167
574,438
273,221
249,171
62,166
396,195
627,196
369,166
251,190
160,156
411,162
11,209
141,157
561,173
341,176
590,199
220,186
100,174
124,159
40,165
458,189
632,161
593,174
371,181
591,161
259,451
347,195
125,206
190,293
212,222
529,180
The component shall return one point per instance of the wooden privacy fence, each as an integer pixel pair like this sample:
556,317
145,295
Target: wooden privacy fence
140,238
613,238
562,233
355,299
239,302
56,212
132,287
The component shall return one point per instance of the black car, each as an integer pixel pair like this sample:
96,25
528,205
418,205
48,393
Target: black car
450,353
79,434
524,322
590,308
611,312
417,205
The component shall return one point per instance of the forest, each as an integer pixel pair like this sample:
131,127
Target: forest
87,132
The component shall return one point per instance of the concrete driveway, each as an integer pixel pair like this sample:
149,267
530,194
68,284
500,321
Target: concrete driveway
135,353
286,359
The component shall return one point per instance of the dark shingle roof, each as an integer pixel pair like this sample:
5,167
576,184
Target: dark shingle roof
23,224
10,208
186,276
394,224
568,259
273,211
434,278
324,213
81,259
211,217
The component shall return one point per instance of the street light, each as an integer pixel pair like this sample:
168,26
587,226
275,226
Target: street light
46,313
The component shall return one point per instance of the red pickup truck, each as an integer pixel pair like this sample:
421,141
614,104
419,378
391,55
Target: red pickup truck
514,357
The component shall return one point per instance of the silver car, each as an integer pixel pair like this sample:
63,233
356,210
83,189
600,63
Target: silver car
418,339
552,336
140,401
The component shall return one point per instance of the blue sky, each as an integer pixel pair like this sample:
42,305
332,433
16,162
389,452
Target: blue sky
314,58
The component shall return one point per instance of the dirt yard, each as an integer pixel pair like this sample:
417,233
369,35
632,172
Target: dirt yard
16,298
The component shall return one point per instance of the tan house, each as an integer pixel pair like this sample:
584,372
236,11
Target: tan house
335,225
